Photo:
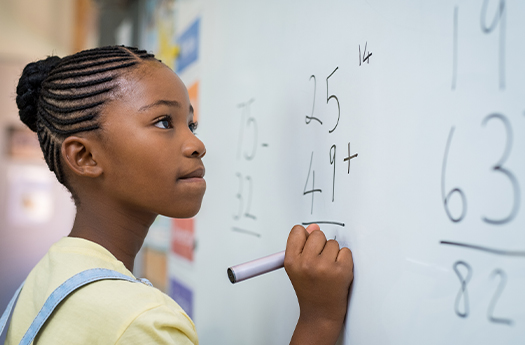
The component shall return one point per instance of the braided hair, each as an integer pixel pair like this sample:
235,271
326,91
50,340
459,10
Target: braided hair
58,97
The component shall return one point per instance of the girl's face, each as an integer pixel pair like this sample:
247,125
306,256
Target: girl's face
152,159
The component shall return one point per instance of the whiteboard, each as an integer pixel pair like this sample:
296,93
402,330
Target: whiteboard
429,94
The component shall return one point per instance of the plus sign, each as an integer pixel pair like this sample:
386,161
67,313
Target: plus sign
349,157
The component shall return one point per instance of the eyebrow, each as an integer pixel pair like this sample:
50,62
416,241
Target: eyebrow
165,102
161,102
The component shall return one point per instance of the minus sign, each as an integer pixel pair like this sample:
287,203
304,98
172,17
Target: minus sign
244,231
329,222
264,145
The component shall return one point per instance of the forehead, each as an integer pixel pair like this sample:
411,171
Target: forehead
149,82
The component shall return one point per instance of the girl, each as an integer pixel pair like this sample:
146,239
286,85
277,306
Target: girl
116,127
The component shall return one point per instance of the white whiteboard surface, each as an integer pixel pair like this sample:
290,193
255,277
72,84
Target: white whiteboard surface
436,111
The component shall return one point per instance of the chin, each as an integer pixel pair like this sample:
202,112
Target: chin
188,210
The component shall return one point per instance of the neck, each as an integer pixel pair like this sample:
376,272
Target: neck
119,229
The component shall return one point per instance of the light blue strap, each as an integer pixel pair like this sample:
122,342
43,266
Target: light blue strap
7,313
70,285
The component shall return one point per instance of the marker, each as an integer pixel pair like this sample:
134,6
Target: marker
256,267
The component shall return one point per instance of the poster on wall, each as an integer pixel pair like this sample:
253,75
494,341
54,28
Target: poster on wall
154,267
183,238
29,195
154,253
182,294
158,236
159,30
193,94
189,46
22,143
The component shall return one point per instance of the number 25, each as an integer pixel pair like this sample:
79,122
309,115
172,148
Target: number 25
309,119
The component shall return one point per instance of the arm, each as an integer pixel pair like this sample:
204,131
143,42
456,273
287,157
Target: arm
321,275
160,325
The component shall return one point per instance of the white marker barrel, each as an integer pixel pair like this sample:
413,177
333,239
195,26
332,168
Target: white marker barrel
256,267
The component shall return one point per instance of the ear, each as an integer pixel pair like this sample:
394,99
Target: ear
78,156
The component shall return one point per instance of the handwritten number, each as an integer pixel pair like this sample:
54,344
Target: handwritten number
332,161
239,197
365,57
497,294
463,292
499,18
328,98
309,119
249,204
250,122
313,190
498,167
446,198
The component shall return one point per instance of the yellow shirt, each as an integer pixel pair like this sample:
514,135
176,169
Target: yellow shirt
104,312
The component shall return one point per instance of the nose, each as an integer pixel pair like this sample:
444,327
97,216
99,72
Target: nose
193,147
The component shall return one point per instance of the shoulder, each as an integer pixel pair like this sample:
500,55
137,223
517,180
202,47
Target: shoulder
160,325
130,297
122,312
142,314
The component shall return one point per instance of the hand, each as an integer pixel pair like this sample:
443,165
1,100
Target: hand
321,275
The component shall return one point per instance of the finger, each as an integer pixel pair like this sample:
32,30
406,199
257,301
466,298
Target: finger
312,227
315,243
331,250
296,240
345,257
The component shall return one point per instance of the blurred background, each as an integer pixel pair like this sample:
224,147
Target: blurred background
35,210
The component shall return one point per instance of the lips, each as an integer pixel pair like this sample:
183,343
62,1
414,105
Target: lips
197,173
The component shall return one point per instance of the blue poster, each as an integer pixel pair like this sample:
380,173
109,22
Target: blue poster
189,46
182,295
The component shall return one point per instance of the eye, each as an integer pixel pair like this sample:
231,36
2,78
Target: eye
193,126
164,122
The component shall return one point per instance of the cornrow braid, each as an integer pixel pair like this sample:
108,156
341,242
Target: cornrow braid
57,97
54,86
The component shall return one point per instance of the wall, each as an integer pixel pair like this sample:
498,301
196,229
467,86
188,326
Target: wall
29,30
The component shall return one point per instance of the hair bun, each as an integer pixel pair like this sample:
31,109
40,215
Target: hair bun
28,89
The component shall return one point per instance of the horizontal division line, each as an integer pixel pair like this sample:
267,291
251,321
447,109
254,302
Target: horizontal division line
486,249
324,222
244,231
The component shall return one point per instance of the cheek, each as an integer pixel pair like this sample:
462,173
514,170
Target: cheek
153,169
141,161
